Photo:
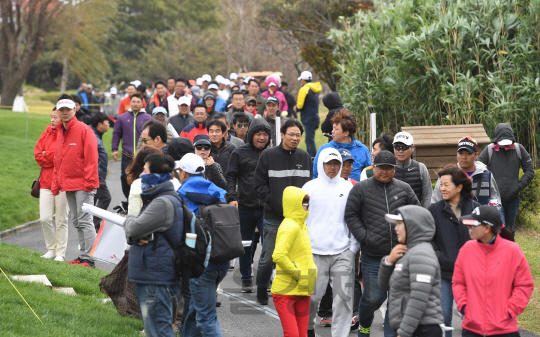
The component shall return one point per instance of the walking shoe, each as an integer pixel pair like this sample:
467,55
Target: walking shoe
262,296
59,258
355,323
48,255
86,263
76,261
218,302
247,286
311,333
364,331
326,321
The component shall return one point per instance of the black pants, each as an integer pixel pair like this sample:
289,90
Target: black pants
467,333
126,161
102,199
325,307
432,330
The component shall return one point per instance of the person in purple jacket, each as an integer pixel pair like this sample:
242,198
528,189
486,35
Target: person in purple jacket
128,128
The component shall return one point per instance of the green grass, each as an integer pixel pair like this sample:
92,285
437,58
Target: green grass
62,315
528,240
19,168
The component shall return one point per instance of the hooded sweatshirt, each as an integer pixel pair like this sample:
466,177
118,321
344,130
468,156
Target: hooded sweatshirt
505,165
308,103
283,106
414,280
333,103
360,153
328,231
219,103
296,271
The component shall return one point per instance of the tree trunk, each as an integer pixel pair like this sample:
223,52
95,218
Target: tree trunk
9,91
64,80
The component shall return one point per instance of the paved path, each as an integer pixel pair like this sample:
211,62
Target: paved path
239,315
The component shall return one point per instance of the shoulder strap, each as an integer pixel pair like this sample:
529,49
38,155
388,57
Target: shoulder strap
518,150
479,184
166,237
490,153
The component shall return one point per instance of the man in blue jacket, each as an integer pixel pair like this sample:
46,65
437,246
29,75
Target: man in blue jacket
151,262
344,129
201,316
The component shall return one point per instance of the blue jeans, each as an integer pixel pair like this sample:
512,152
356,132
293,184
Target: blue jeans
158,306
250,218
201,319
266,264
509,212
372,297
447,303
310,138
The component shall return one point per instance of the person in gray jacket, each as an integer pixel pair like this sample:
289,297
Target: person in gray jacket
412,275
504,157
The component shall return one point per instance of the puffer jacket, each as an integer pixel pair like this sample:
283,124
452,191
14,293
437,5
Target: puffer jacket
308,103
242,166
450,234
296,271
368,202
333,103
414,280
505,165
47,143
222,153
214,173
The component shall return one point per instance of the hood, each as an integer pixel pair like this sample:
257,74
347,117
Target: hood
270,79
207,94
201,191
178,147
503,131
316,87
332,101
257,125
419,224
292,204
320,168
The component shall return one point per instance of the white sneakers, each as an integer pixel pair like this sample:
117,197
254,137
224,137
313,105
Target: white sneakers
59,258
48,255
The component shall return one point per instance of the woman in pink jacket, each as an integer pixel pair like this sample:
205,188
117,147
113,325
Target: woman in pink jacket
492,282
273,83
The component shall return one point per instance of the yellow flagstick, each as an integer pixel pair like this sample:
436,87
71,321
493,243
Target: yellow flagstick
21,296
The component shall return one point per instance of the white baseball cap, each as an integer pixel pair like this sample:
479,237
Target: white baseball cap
206,78
190,163
333,155
226,82
213,86
184,100
403,137
233,76
504,142
113,90
199,81
65,103
272,84
136,83
219,79
393,218
305,75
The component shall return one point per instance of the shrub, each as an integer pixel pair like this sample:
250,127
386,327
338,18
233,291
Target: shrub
529,200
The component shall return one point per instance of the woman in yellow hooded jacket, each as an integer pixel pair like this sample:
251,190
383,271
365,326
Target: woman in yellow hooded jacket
295,270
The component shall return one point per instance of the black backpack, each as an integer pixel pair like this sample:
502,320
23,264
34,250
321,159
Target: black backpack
190,262
223,223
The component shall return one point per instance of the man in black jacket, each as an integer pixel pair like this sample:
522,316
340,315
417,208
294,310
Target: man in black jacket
100,124
368,202
221,148
291,101
240,193
332,102
279,167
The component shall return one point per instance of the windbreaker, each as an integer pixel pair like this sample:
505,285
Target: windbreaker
194,129
328,231
47,143
332,102
360,153
76,159
414,280
296,271
492,284
283,106
308,103
128,128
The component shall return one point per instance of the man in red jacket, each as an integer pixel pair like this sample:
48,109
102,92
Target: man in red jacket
76,173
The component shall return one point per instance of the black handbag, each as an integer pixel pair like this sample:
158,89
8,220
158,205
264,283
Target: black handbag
35,186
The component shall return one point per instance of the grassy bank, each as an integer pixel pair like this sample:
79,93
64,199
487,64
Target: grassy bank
62,315
528,239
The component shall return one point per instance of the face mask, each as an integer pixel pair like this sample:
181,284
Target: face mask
153,179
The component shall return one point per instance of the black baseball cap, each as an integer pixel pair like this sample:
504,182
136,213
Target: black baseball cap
467,143
273,99
483,215
385,158
201,140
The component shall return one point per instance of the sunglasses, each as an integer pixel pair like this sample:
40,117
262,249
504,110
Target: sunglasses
203,147
242,125
251,104
401,147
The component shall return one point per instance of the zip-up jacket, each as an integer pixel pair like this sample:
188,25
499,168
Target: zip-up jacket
296,271
179,121
450,234
155,102
360,153
308,103
222,153
172,105
505,165
76,159
417,176
242,167
47,143
277,169
492,284
102,153
128,128
332,102
368,202
194,129
414,280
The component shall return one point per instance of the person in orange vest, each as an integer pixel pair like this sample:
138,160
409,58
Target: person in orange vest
160,97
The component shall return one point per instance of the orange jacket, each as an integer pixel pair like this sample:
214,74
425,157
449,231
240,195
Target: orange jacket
47,143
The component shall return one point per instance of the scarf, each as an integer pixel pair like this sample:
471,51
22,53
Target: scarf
497,147
153,179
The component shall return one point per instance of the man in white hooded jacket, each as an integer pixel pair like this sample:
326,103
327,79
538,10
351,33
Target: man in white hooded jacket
333,246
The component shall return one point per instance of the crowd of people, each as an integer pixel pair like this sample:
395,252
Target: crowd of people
343,229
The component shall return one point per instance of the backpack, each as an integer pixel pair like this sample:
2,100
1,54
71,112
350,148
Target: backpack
490,152
190,262
223,223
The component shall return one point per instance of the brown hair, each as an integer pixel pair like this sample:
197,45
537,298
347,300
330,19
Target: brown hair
459,177
137,167
347,121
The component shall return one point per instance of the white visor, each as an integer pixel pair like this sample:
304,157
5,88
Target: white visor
392,218
65,103
505,142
